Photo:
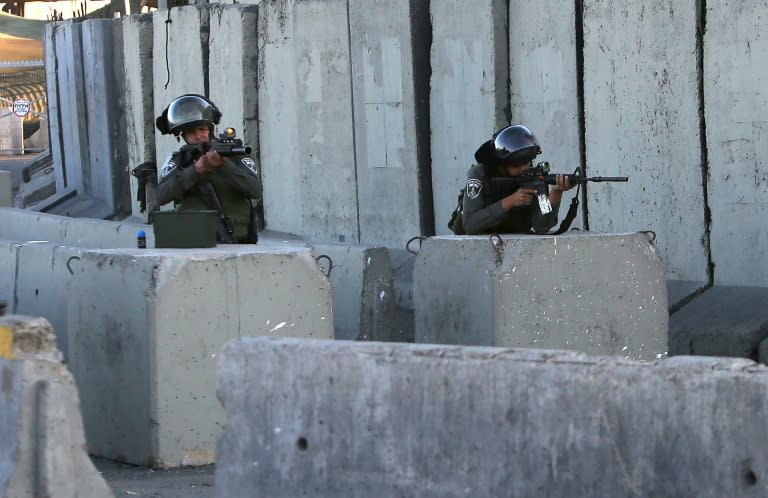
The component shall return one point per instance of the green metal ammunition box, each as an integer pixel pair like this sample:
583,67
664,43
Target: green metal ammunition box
185,229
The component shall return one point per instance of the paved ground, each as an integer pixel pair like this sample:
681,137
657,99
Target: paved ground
128,480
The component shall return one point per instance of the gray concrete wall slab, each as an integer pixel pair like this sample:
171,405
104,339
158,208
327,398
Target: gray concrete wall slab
277,83
178,63
70,97
139,97
233,69
468,98
305,107
326,129
596,293
737,140
106,174
148,324
642,121
369,419
384,51
52,100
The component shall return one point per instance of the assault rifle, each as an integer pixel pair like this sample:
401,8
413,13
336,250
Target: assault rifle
226,145
539,178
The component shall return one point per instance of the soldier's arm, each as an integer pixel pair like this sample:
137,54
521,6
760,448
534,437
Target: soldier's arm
174,181
479,215
242,175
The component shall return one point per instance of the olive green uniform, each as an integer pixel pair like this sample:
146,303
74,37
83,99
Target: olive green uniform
236,183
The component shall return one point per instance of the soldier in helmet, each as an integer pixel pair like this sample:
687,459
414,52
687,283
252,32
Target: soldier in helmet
509,152
235,179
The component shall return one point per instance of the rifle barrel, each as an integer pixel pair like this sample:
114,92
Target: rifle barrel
607,179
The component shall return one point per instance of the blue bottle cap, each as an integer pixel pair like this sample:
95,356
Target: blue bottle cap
141,233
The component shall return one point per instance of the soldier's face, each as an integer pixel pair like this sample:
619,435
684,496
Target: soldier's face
196,135
516,169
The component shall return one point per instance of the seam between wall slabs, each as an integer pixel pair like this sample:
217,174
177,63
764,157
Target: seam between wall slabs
421,69
205,49
701,24
354,127
579,42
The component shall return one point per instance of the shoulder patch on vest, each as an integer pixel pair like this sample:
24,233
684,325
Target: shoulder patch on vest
168,166
250,164
474,186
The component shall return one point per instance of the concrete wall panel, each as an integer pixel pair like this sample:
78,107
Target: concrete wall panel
642,121
468,92
148,324
326,134
341,419
279,137
55,131
233,69
383,52
178,63
106,174
736,98
70,96
139,95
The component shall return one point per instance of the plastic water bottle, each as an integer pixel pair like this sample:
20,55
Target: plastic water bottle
141,239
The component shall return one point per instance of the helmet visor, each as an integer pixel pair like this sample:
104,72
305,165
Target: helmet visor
516,142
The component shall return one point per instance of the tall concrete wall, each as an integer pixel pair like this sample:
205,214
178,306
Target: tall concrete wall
180,38
389,64
737,140
641,106
655,87
468,92
139,100
339,419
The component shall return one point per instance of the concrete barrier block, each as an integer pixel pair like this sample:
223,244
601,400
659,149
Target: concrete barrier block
42,444
363,291
589,292
723,321
8,268
24,225
145,327
347,418
43,270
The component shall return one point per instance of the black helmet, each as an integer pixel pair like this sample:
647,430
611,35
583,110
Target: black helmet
513,144
187,110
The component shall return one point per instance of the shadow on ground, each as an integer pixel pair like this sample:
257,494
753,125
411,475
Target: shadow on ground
130,480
